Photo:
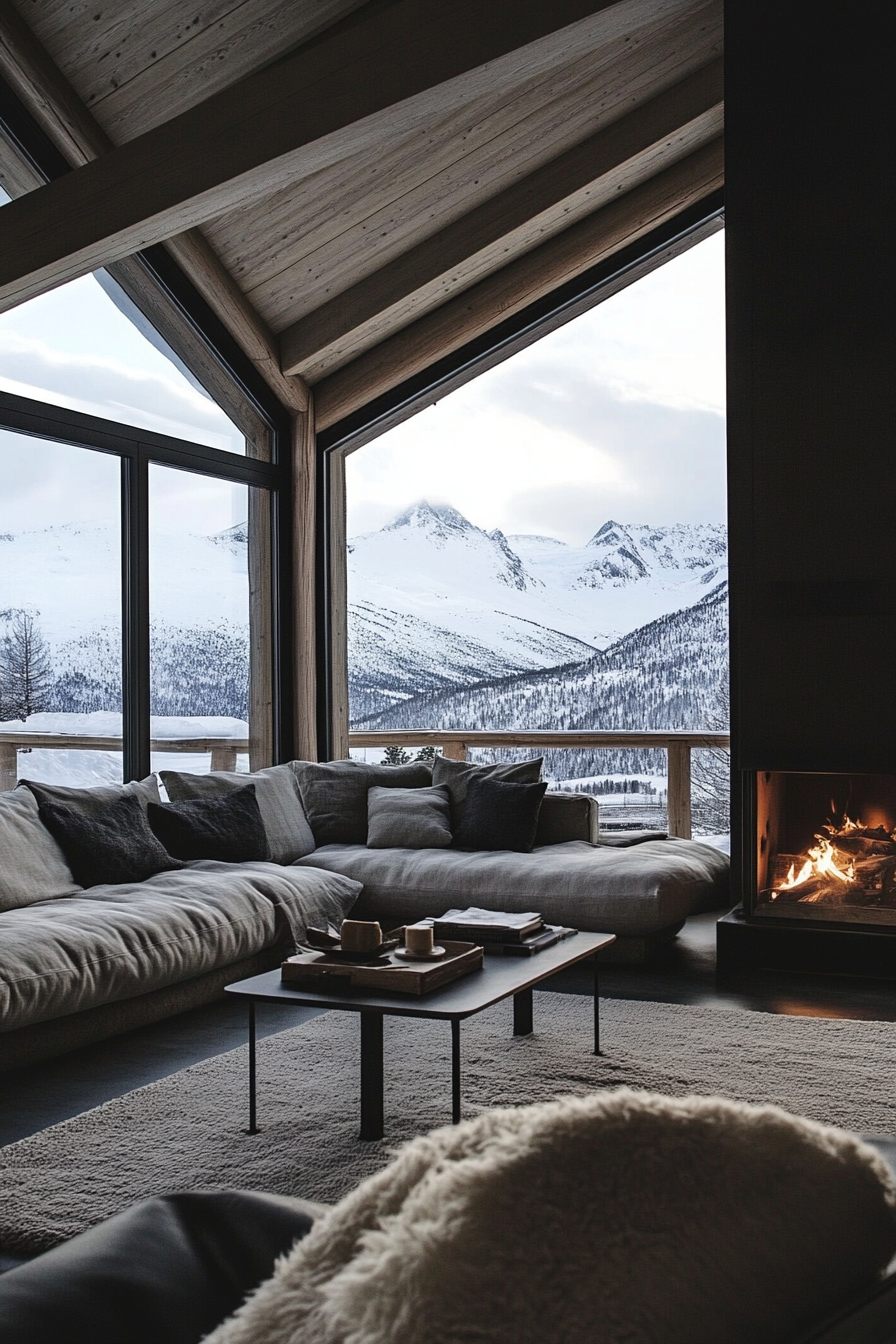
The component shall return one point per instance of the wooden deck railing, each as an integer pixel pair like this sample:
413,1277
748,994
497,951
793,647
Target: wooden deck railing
224,750
678,748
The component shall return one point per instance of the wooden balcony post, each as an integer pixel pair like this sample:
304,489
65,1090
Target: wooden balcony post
223,758
679,789
9,767
455,751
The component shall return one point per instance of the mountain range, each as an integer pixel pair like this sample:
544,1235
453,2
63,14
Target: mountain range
448,619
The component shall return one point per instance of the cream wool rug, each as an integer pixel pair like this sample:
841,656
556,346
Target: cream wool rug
187,1131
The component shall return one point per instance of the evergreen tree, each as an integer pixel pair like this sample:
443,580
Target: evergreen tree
396,756
26,676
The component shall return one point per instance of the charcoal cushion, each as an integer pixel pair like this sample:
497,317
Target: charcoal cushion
334,794
455,776
228,829
110,846
32,865
408,818
276,792
499,815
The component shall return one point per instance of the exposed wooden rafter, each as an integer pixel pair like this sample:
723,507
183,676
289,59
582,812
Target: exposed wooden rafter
518,284
56,107
342,91
542,203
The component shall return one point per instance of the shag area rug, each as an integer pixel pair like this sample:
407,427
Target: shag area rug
187,1131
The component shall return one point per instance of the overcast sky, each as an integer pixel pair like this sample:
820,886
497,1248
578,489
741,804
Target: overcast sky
619,414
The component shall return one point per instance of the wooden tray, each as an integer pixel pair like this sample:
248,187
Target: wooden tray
315,970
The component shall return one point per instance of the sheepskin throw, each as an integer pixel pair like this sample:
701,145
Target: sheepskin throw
617,1217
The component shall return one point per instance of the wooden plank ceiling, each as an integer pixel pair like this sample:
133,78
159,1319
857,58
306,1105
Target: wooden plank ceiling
356,187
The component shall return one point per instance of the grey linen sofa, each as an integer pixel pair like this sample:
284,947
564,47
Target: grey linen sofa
78,965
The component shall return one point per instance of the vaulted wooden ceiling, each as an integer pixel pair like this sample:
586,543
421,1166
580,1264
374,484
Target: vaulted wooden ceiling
357,188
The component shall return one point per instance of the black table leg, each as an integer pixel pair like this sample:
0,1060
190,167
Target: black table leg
371,1075
596,1009
522,1013
253,1127
455,1071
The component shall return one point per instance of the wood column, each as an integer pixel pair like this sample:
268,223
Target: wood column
304,589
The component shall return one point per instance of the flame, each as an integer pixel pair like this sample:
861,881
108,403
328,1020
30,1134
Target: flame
821,862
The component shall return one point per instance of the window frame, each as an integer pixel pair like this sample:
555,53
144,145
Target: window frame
137,450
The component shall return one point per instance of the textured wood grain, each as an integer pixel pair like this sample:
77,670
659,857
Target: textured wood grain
518,218
304,589
53,103
513,288
303,246
256,135
338,558
137,64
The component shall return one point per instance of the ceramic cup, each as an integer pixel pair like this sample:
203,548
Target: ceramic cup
360,935
418,939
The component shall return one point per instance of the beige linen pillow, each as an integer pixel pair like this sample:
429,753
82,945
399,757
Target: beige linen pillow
618,1218
32,866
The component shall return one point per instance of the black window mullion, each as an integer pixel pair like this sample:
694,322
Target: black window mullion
135,615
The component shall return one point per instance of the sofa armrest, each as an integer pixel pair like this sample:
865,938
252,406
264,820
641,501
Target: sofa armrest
567,816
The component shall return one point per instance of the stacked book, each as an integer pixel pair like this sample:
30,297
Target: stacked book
517,935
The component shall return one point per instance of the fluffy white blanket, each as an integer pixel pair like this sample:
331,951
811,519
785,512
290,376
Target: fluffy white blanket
621,1217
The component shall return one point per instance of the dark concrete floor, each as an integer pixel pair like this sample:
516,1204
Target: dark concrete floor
44,1094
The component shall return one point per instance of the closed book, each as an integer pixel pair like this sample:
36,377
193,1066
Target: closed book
485,933
546,937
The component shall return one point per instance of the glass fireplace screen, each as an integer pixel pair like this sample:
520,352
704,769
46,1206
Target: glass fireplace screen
826,847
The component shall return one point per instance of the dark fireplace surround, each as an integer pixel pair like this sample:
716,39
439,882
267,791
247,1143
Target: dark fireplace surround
812,495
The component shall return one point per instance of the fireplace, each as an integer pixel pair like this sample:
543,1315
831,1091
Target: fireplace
825,847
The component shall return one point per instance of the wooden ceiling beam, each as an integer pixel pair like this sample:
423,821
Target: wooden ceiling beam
532,276
374,74
56,107
326,333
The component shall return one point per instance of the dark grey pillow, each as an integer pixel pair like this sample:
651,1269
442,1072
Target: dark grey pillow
456,776
277,795
334,794
408,818
229,829
109,846
499,815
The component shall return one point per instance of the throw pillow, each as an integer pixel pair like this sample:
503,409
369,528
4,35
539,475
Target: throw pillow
32,866
94,800
499,815
334,794
408,818
456,776
623,1217
109,846
276,792
228,829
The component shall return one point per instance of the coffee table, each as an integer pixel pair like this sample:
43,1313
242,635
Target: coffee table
500,977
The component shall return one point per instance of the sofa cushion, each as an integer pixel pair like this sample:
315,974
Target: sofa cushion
114,942
112,845
567,816
32,866
623,1217
499,815
95,799
455,776
408,818
334,794
277,794
624,891
228,828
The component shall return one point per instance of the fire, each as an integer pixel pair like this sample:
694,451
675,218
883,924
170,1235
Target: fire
821,862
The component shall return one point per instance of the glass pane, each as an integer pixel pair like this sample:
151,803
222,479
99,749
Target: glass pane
60,613
209,640
86,346
546,547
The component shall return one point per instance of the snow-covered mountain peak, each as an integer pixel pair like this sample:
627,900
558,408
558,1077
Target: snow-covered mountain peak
437,520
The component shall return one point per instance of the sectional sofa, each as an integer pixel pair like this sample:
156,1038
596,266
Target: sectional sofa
79,964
